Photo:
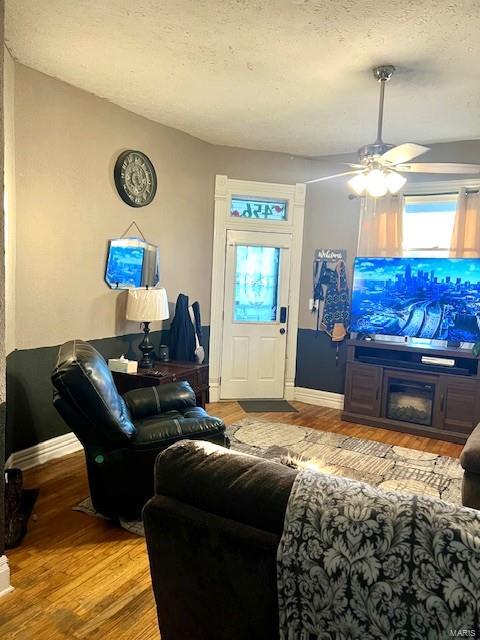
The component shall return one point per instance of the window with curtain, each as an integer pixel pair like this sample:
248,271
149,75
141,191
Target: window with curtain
466,230
421,226
428,223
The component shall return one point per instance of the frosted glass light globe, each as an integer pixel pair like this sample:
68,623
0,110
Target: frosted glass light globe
358,183
394,181
376,185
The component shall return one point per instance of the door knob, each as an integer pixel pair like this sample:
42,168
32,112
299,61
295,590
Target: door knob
282,331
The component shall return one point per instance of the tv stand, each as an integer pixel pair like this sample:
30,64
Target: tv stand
387,385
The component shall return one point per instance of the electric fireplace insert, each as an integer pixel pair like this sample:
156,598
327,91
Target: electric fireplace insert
410,400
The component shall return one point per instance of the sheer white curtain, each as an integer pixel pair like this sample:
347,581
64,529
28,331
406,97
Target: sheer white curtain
381,226
466,231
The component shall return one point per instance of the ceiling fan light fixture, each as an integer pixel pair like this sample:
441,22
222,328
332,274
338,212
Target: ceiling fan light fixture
358,183
394,181
381,164
376,184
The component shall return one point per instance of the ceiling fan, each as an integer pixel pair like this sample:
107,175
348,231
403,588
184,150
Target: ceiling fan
381,164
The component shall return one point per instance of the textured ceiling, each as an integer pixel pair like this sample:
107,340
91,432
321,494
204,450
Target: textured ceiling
284,75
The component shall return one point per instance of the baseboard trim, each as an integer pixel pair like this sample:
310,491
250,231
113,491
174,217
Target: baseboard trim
5,586
319,398
68,443
214,391
289,391
44,452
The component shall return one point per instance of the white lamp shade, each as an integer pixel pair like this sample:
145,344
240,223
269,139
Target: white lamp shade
147,305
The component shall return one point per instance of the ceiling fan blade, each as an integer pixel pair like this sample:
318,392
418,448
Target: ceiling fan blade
438,167
355,166
403,153
335,175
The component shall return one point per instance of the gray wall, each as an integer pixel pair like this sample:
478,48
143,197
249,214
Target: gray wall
66,143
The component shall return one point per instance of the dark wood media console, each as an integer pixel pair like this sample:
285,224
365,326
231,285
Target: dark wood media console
387,385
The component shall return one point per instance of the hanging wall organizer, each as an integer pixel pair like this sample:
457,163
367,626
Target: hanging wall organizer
330,298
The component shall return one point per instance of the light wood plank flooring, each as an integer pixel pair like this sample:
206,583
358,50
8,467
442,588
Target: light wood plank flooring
79,577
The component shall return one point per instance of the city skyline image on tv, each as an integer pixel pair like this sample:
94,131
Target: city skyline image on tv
417,297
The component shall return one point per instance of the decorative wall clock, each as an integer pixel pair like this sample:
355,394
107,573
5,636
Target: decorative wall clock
135,178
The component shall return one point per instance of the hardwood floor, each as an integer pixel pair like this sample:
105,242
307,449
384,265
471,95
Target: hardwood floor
80,577
329,420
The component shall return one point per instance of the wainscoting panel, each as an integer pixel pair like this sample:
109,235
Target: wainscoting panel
31,417
317,365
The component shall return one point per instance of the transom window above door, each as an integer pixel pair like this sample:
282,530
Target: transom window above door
256,209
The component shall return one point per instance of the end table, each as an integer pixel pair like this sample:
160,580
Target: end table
162,373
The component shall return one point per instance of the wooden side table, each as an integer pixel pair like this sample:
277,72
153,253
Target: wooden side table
162,373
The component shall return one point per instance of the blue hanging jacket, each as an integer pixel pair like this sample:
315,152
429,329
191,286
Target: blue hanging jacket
182,332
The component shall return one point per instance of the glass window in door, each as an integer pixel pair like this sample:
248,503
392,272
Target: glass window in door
256,284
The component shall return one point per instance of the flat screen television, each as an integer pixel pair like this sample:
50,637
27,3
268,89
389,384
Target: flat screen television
436,298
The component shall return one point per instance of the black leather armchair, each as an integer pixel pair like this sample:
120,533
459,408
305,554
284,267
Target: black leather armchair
122,436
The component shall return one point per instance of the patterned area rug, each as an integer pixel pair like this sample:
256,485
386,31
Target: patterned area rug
381,465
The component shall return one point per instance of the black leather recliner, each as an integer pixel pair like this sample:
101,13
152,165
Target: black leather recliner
122,436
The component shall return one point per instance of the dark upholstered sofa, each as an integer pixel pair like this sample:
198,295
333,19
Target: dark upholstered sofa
212,532
470,461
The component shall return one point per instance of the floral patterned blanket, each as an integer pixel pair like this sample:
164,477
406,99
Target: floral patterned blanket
357,562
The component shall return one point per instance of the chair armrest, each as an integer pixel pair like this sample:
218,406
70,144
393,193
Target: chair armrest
470,456
164,429
151,401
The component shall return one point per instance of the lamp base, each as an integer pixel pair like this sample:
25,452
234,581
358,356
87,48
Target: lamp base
146,347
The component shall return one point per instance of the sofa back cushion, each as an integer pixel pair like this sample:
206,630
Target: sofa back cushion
83,380
226,483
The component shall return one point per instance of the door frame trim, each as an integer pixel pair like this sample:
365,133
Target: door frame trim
295,195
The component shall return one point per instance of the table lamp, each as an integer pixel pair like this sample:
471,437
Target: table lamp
147,305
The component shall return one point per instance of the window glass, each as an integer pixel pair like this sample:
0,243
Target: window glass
256,284
428,225
258,209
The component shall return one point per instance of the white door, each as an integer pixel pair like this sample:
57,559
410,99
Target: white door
255,320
